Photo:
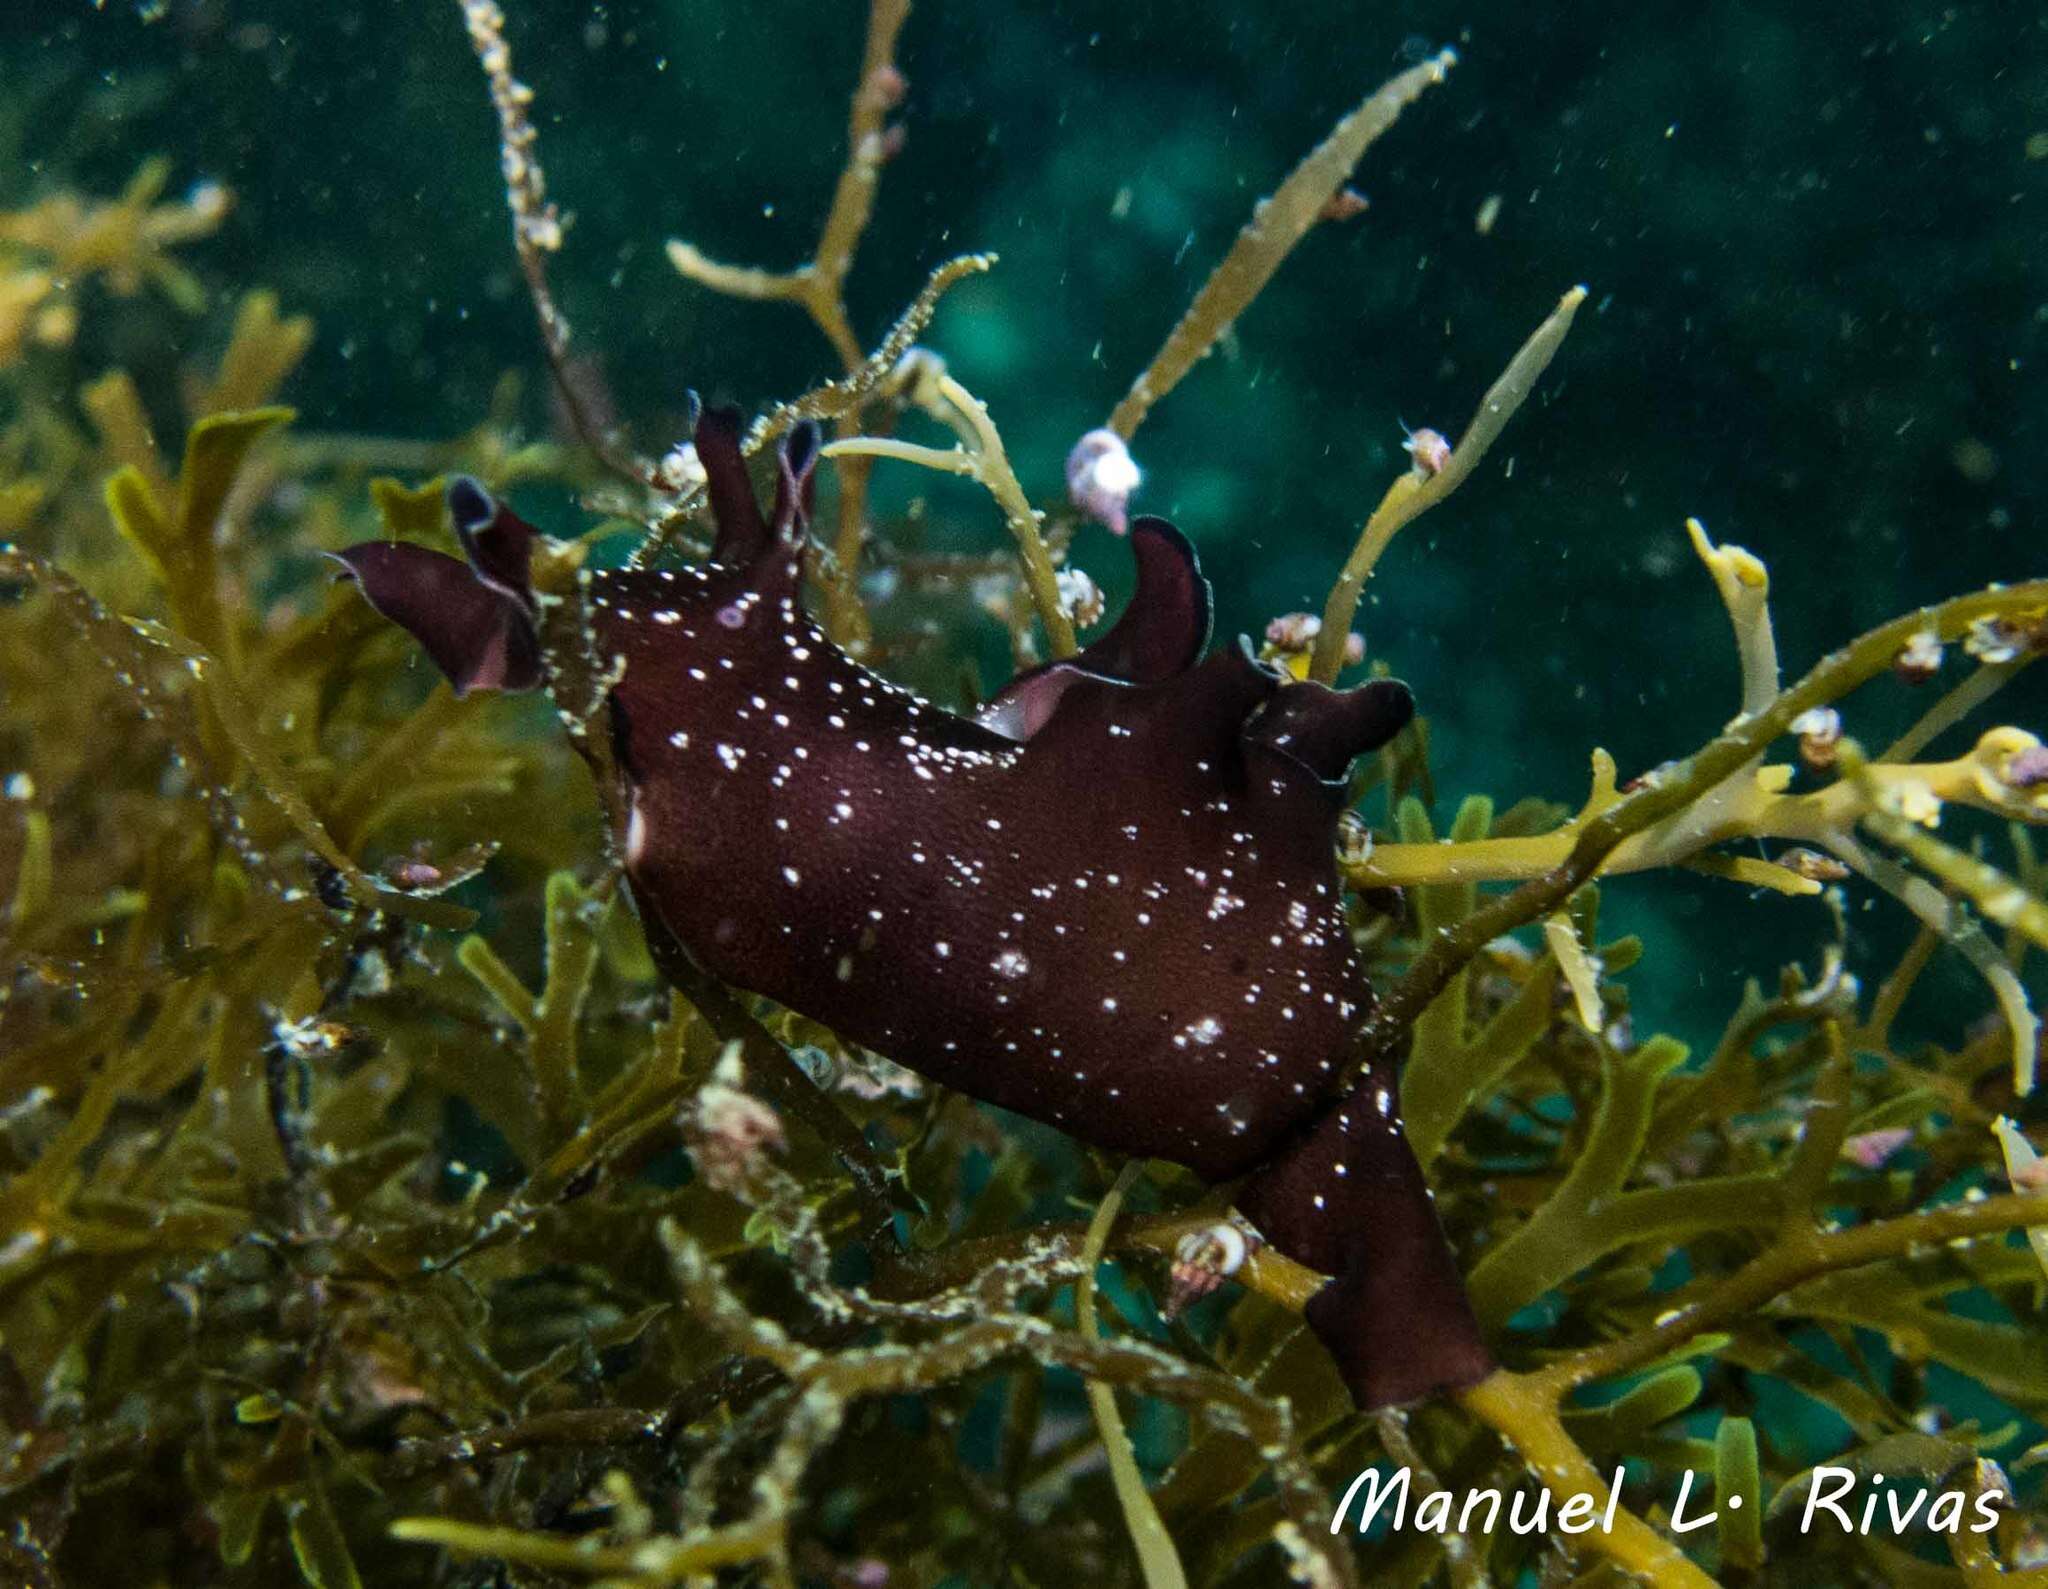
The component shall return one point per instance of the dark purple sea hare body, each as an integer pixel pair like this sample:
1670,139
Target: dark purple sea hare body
1108,902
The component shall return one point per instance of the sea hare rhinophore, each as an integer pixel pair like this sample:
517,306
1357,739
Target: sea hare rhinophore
1107,901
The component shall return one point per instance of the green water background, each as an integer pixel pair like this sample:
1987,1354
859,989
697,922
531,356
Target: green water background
1812,236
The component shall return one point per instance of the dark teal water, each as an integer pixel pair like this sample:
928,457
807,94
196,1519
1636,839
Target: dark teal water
1811,234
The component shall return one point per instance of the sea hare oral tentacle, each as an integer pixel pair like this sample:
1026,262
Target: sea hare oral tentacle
497,541
480,636
1109,902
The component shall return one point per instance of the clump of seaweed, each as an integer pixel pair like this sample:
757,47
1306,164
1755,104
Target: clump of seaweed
370,1201
49,250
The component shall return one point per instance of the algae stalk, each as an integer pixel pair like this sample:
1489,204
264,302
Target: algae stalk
1277,223
1416,492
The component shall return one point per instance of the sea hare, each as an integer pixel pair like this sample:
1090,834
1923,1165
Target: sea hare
1107,901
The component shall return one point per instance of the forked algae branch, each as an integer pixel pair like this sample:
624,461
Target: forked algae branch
529,1127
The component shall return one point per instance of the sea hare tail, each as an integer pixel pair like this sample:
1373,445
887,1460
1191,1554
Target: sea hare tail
1349,1199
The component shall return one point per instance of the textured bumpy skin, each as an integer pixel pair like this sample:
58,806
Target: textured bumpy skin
1108,902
